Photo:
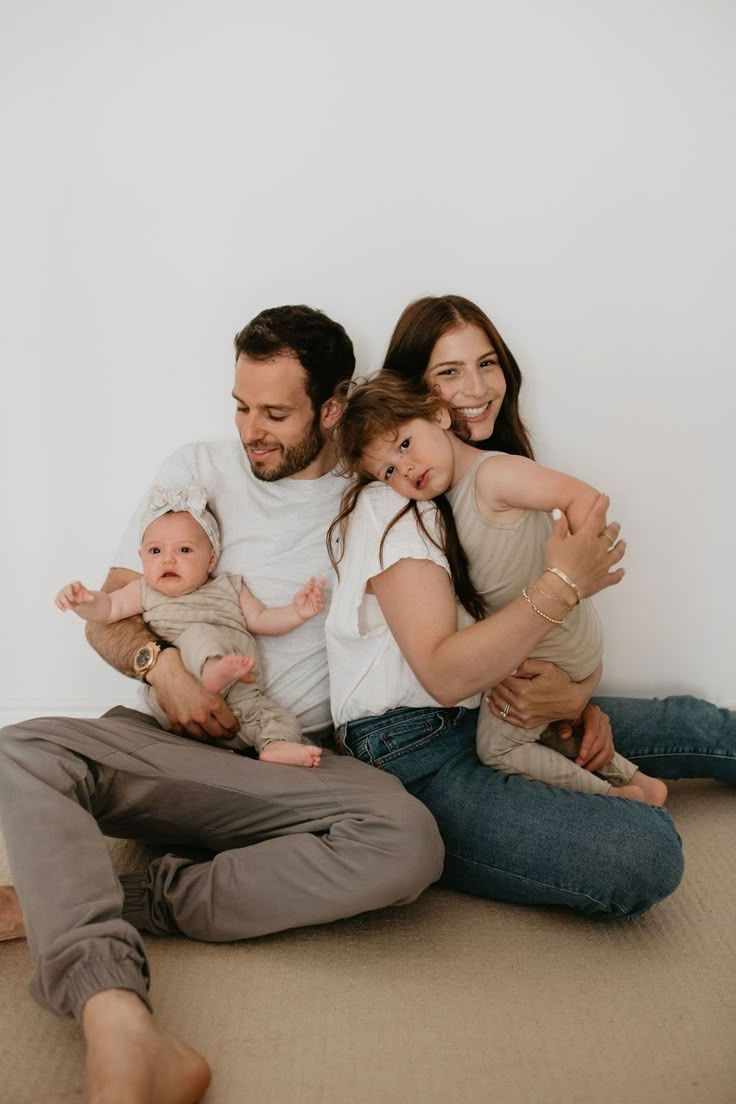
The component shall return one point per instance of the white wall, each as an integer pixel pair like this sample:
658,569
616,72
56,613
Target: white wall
169,169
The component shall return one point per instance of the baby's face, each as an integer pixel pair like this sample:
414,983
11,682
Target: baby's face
176,554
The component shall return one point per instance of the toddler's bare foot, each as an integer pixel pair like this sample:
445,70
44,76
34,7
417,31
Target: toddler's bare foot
219,671
130,1060
655,791
12,925
634,793
292,755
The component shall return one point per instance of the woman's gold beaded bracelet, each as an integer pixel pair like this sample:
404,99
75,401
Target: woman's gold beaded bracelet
546,616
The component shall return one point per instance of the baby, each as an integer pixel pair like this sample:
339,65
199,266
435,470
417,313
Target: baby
210,620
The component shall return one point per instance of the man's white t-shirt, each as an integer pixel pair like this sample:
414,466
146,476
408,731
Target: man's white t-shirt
368,673
273,535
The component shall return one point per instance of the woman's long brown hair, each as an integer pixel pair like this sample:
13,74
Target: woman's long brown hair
377,408
418,330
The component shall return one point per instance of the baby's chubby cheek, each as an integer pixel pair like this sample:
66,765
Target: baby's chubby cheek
149,575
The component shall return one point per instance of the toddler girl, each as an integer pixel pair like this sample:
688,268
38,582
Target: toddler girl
500,505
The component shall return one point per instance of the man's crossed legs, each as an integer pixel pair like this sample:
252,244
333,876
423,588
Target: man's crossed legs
289,848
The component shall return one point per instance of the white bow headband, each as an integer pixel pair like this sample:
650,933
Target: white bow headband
182,500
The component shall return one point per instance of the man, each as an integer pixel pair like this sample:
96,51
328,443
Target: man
290,846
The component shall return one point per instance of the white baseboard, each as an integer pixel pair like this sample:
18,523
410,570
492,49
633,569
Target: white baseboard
13,710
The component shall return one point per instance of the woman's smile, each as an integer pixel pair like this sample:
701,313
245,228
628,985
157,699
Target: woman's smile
475,413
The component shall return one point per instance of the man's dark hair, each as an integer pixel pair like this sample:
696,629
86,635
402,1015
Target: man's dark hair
321,346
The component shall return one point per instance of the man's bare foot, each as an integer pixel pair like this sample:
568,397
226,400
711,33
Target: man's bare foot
12,925
292,755
634,793
655,791
219,671
130,1060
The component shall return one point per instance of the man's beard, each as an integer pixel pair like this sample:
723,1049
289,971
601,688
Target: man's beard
294,458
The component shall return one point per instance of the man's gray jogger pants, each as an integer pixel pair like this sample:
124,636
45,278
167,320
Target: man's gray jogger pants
287,846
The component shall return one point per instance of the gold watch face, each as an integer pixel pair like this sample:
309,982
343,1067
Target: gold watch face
142,658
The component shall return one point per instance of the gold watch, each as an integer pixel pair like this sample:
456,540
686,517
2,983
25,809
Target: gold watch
146,657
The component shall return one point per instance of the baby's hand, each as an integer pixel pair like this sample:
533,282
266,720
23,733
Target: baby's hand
311,599
73,595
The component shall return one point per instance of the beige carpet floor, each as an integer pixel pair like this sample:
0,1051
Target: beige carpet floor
449,999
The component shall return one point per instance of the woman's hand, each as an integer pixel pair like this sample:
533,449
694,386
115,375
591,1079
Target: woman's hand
589,555
539,693
597,747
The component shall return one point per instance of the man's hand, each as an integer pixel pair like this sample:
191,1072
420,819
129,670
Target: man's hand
190,709
311,599
538,693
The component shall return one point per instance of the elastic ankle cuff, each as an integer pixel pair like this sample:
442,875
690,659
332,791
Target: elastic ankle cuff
94,976
134,899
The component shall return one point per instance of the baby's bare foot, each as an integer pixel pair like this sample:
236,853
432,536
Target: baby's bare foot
655,791
130,1060
12,925
220,671
291,755
634,793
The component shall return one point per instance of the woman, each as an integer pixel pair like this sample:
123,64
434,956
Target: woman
505,837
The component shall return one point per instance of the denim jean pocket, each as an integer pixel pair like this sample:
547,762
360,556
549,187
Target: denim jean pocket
410,743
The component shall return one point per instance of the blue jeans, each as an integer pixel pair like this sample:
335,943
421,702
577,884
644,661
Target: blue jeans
513,839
